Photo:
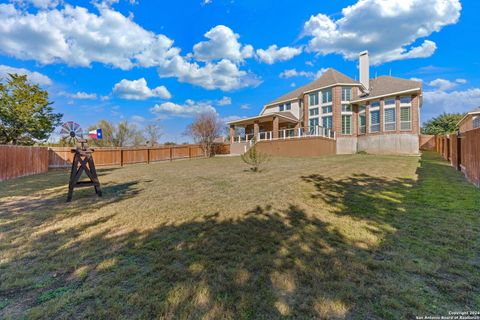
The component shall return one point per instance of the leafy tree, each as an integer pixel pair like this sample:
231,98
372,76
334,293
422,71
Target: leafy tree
26,115
254,158
204,129
444,124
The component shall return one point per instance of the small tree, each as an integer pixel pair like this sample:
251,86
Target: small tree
204,129
444,124
254,158
153,134
26,114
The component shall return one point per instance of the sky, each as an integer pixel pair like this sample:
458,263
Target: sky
166,61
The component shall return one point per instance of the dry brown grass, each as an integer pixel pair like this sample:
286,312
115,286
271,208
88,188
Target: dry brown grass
333,237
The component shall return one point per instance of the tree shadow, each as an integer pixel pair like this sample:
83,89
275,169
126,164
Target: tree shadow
269,263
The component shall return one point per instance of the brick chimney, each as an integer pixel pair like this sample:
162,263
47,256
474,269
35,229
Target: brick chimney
364,69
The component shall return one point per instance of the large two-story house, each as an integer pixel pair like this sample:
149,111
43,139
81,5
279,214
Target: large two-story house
375,115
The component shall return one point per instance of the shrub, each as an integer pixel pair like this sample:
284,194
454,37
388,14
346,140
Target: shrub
254,158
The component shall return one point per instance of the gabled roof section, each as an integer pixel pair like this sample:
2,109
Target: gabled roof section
386,85
286,115
328,78
469,113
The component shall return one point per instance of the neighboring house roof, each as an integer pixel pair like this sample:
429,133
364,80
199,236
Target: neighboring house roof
471,112
386,85
287,115
328,78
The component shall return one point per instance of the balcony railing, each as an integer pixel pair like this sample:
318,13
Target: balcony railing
316,131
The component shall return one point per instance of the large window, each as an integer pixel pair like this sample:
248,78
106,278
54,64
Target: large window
314,112
327,122
374,120
346,108
405,118
346,124
313,99
326,109
313,122
326,96
406,100
346,93
389,118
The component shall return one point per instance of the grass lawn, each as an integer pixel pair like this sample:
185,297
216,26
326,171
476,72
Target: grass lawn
358,237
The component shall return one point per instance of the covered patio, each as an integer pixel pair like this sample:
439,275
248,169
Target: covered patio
271,126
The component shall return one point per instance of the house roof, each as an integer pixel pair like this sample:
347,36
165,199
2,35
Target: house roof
386,85
328,78
286,115
471,112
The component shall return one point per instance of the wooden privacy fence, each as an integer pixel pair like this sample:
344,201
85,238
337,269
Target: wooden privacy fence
21,161
427,142
18,161
463,153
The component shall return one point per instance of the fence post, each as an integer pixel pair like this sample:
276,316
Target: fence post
171,154
148,155
121,157
189,152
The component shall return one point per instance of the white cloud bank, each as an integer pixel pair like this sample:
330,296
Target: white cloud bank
187,110
79,95
77,37
390,29
291,73
139,90
274,54
32,76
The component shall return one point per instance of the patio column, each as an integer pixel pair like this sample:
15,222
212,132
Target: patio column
275,127
255,130
232,133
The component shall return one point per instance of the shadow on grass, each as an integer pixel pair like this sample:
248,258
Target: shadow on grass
267,264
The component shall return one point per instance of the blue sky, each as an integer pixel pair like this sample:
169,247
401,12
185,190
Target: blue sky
147,61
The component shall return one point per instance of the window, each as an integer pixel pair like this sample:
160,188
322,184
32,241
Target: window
326,96
313,122
389,102
362,123
327,109
375,104
405,118
314,99
476,122
314,112
285,106
375,121
346,93
327,122
346,108
389,116
346,124
407,100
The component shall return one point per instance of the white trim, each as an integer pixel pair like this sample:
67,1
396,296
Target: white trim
262,116
466,115
385,95
333,85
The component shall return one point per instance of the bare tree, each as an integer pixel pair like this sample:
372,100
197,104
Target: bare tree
204,129
153,133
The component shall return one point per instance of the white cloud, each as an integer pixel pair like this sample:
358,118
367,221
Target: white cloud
274,54
437,102
388,29
462,81
245,106
139,90
222,44
79,95
416,79
225,101
32,76
41,4
442,84
189,109
77,37
224,75
290,73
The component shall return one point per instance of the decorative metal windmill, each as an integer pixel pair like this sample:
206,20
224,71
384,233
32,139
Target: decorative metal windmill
82,159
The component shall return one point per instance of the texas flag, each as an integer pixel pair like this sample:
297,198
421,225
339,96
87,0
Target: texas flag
95,134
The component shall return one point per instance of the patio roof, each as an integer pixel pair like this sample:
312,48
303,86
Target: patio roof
286,116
